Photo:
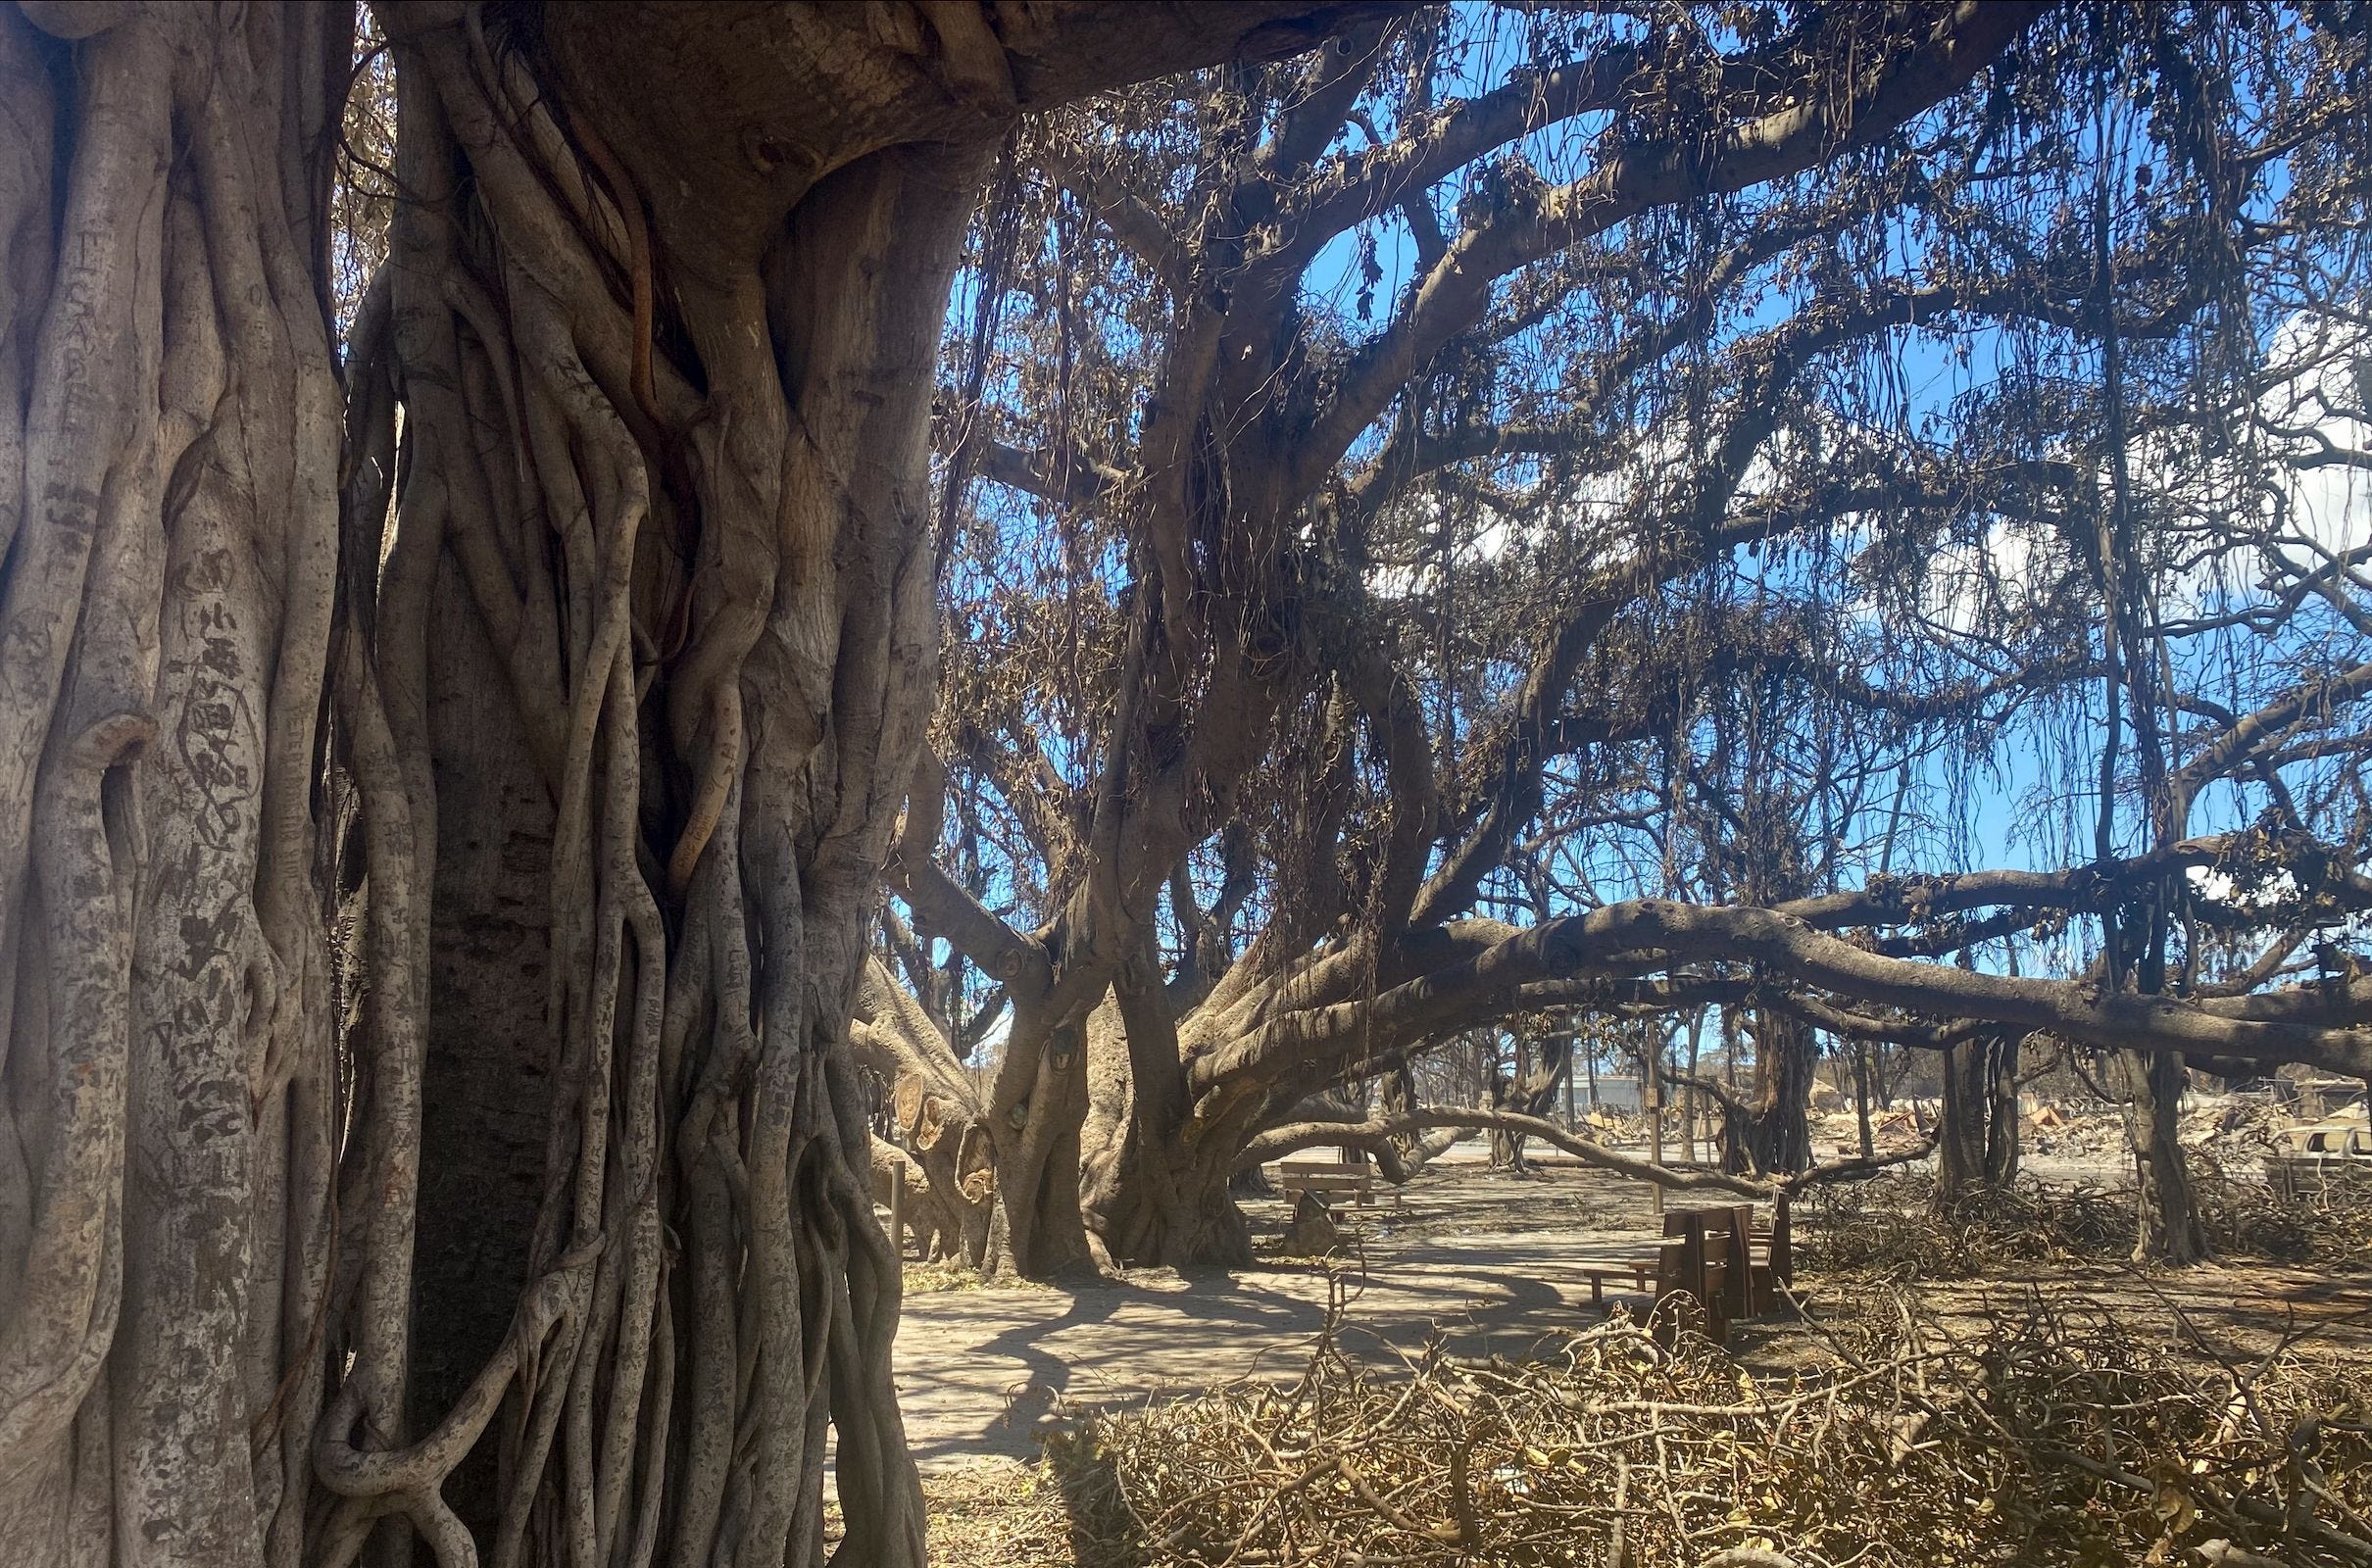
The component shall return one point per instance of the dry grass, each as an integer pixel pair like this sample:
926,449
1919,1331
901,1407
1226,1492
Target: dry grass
935,1279
998,1514
1915,1426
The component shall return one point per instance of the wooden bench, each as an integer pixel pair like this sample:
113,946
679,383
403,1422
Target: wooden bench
1716,1256
1330,1181
1639,1269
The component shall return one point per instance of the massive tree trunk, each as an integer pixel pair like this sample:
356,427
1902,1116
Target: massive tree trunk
1152,1203
669,653
1153,1182
618,604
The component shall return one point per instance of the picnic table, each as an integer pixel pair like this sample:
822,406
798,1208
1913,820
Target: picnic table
1726,1262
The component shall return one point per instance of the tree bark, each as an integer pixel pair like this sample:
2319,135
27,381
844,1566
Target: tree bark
937,1116
1861,1097
1154,1180
1961,1125
2169,1229
1770,1131
2001,1128
1540,1069
167,522
617,598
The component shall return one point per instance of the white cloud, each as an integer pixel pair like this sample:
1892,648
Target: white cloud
2311,413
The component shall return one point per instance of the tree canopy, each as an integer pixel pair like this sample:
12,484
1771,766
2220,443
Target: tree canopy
1567,515
582,587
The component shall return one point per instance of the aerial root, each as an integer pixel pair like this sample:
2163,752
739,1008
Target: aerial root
716,785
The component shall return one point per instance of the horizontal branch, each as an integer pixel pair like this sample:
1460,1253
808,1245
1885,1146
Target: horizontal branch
1368,184
2318,1025
942,905
1057,480
1848,1170
1282,1140
2268,724
1899,900
1123,214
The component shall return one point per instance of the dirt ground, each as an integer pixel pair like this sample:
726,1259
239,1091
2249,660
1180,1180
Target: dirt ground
1488,1261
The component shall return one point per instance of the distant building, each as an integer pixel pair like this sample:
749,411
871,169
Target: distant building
1615,1094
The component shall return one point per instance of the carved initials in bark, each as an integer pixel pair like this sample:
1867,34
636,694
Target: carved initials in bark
608,860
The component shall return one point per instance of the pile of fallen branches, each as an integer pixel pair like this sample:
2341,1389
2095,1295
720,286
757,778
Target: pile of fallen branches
2331,1226
1892,1228
2047,1439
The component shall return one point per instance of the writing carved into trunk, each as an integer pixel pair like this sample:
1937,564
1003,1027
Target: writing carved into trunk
443,788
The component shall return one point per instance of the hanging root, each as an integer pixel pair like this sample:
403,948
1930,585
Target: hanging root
638,244
716,785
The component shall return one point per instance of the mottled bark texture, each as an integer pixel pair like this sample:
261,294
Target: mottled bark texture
566,652
937,1116
2166,1200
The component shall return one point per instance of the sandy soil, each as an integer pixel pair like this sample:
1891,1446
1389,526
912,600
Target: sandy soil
977,1368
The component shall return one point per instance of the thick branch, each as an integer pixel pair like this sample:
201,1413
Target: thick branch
1279,1142
1819,126
2320,1028
941,902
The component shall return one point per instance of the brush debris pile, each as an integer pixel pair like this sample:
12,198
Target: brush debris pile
1893,1228
2045,1439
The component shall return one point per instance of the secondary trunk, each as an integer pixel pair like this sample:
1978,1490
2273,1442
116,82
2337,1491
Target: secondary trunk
935,1115
1531,1090
1770,1131
701,650
1977,1123
1034,1126
2167,1204
2002,1146
1170,1207
1861,1097
1154,1185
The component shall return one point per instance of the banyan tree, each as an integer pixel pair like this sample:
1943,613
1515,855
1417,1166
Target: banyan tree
1444,534
474,580
450,753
